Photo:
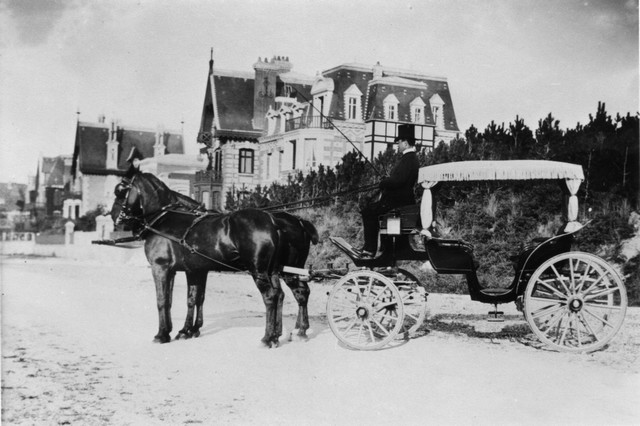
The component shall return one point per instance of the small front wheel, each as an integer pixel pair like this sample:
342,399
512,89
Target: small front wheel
365,310
575,302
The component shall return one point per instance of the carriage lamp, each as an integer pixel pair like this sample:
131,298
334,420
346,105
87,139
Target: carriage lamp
393,226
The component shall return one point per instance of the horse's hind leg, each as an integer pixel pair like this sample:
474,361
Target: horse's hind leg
272,296
300,290
163,278
196,282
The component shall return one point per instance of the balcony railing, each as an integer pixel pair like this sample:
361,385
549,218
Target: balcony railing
208,176
307,123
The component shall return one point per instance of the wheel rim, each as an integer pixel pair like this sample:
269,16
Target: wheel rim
414,299
575,302
365,310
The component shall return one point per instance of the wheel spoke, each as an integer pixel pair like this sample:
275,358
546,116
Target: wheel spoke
587,291
602,293
602,320
341,318
546,311
555,319
561,277
351,325
587,326
380,326
585,275
608,307
553,290
564,331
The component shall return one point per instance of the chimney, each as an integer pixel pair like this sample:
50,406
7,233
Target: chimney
377,70
264,91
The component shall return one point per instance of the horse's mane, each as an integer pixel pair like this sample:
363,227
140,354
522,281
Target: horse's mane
165,196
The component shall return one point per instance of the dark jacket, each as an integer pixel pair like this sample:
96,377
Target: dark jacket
397,189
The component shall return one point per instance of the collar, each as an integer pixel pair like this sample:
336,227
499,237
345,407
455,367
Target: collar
412,149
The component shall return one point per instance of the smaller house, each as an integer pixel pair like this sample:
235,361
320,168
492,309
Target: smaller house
100,156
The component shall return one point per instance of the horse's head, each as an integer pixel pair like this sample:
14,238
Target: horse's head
138,196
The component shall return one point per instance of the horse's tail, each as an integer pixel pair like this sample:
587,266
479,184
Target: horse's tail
311,230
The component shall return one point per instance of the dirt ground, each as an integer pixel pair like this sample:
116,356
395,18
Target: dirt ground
76,349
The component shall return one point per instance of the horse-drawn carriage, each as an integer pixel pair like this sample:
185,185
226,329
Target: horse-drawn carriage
573,301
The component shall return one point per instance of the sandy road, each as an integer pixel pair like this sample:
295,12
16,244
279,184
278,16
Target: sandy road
76,349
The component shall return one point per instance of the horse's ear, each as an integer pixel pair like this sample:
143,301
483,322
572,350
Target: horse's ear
131,172
134,158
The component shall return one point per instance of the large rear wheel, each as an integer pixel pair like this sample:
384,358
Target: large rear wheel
575,302
365,310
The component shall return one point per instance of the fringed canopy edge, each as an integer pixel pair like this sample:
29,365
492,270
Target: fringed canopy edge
500,170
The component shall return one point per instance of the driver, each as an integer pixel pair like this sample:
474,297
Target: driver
396,190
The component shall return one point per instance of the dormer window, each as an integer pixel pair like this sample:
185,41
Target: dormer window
391,107
352,101
437,110
417,110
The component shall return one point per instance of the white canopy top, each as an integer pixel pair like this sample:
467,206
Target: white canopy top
500,170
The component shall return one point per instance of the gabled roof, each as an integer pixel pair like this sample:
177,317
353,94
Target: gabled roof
90,152
56,170
229,101
406,85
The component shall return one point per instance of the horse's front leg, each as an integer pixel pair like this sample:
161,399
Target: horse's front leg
272,296
300,290
196,282
163,278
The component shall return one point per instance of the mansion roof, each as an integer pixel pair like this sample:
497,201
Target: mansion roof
232,97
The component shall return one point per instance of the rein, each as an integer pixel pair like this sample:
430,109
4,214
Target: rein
148,226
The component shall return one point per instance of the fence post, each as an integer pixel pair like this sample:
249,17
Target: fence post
100,226
68,232
108,226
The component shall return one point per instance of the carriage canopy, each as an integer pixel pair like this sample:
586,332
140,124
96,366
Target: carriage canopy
570,174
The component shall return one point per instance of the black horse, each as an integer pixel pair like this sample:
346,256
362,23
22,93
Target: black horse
180,236
297,235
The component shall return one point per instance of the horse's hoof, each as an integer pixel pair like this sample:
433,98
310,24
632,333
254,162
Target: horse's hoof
183,335
161,339
270,343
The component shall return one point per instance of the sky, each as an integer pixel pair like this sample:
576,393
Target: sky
145,63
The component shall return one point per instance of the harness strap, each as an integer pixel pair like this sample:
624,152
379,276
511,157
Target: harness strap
182,241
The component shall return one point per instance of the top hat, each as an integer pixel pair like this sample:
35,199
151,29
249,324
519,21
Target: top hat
406,132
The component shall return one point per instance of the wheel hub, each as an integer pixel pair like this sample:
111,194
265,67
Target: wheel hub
362,312
575,304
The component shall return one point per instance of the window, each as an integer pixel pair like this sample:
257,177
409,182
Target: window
205,199
436,115
311,154
352,98
391,112
352,109
391,107
268,171
417,115
246,161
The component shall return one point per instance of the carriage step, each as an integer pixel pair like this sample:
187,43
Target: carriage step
495,316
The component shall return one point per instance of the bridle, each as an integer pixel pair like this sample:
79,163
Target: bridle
122,192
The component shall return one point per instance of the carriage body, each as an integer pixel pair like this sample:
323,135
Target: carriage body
573,301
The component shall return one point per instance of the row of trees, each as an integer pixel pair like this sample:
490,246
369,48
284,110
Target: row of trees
606,147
